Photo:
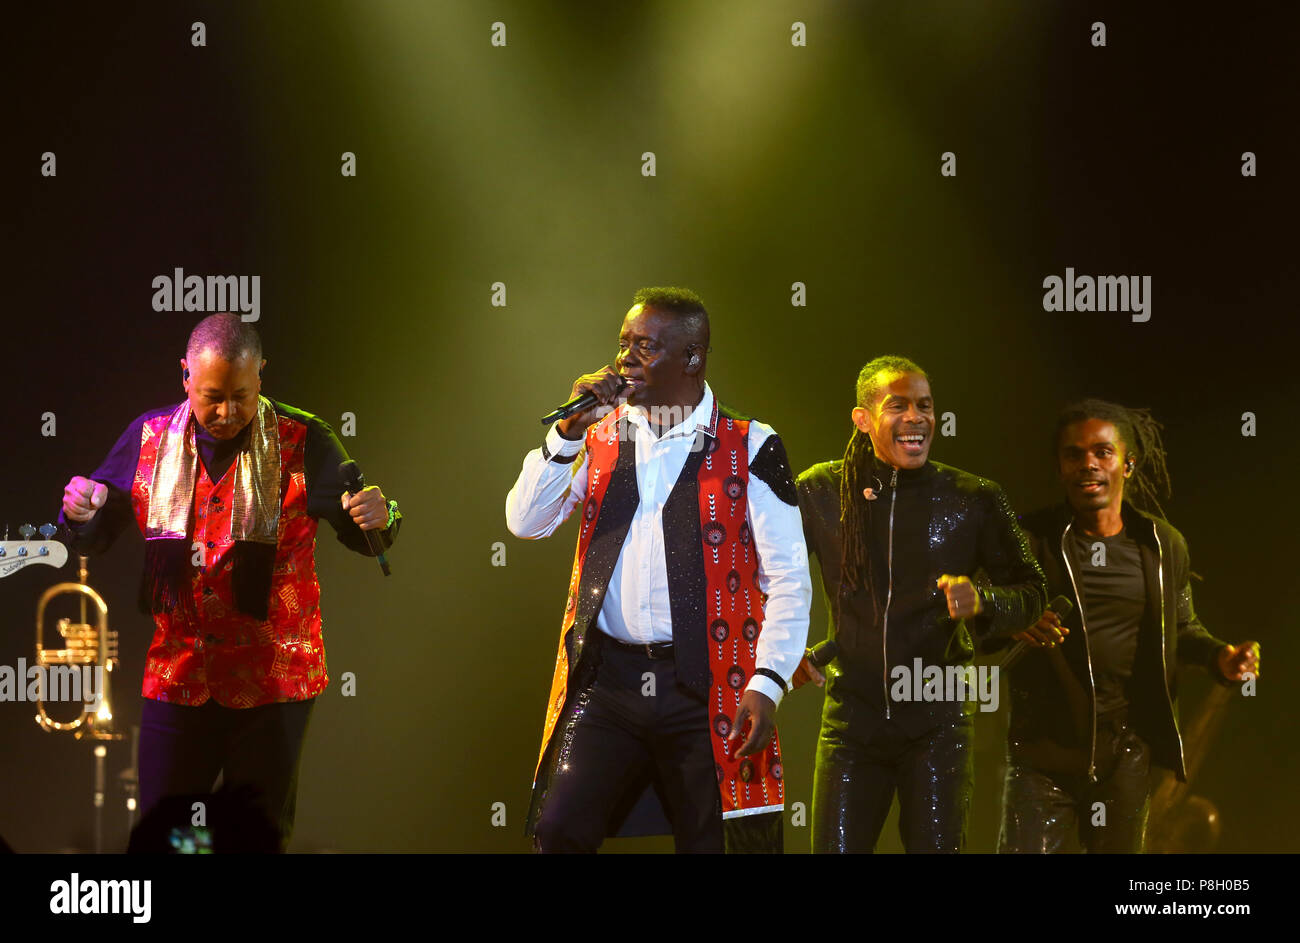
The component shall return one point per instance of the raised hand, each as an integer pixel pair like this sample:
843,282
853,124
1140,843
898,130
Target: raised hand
606,384
82,499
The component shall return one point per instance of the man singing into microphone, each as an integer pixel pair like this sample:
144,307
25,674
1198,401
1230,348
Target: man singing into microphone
227,488
688,603
898,538
1093,701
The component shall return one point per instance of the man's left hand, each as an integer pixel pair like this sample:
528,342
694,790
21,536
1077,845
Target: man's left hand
760,710
1237,661
963,598
369,508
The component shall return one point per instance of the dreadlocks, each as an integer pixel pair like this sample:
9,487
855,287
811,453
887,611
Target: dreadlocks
855,510
1141,435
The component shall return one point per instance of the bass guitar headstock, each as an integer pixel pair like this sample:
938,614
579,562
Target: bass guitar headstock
18,554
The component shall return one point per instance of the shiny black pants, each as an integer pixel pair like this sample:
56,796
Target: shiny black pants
1040,811
619,738
856,779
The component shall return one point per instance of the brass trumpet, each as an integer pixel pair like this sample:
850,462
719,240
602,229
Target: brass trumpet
86,646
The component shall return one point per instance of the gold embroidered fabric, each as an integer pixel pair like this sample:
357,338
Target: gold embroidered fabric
256,504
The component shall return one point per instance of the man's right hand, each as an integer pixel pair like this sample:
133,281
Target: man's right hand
606,384
82,499
1045,633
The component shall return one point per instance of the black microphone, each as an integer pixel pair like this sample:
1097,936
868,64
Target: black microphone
1061,606
579,404
354,481
821,655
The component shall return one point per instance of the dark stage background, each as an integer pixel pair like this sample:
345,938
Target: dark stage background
521,164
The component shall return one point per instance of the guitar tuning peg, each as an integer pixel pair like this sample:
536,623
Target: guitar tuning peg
47,531
27,531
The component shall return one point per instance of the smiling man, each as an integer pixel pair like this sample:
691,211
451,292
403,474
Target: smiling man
1093,704
687,607
898,538
227,488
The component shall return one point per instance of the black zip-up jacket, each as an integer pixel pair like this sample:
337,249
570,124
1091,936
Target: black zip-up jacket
944,520
1053,721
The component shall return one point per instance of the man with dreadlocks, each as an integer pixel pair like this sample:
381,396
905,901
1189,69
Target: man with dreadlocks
899,538
1093,700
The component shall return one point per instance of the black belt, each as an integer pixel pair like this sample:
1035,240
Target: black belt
651,650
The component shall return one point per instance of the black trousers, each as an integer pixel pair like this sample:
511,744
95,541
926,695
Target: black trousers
182,749
856,778
631,727
1041,810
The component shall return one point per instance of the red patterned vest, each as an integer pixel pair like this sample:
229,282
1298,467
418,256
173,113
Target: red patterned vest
209,648
727,615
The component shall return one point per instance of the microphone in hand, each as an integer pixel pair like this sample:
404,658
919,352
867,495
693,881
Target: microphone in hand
589,391
355,482
1061,607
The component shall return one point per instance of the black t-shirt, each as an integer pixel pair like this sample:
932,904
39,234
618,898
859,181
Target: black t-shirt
216,454
1114,598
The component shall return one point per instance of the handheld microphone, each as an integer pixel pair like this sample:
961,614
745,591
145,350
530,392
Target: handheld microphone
821,655
1061,606
579,404
354,481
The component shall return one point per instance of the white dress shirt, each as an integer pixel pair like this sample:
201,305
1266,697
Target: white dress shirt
636,606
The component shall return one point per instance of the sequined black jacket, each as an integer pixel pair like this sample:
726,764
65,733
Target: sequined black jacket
1052,700
944,521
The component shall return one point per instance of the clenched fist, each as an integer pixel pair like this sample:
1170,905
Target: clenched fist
805,673
962,596
368,508
606,384
1238,661
82,499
